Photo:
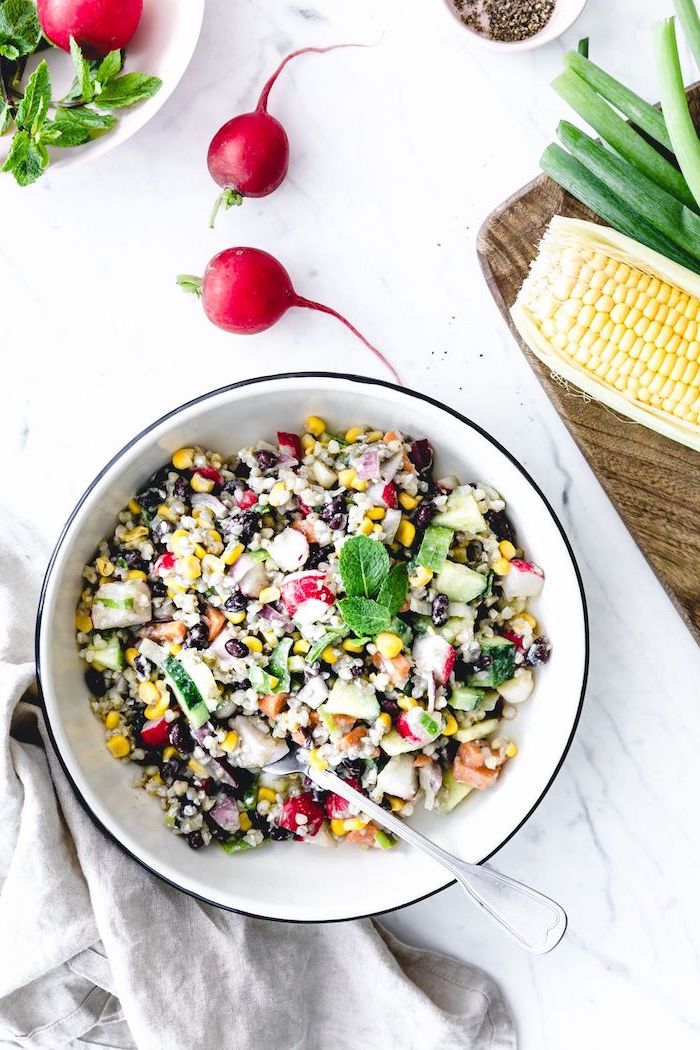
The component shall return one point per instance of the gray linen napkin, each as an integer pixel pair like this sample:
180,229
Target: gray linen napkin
95,952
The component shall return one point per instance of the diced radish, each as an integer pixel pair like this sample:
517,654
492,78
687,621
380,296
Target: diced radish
391,467
398,668
305,587
289,549
399,777
226,815
290,445
250,575
205,500
164,564
524,580
245,499
516,639
369,464
255,748
314,692
302,507
418,726
433,655
324,475
338,808
210,473
390,523
518,688
390,496
155,733
302,814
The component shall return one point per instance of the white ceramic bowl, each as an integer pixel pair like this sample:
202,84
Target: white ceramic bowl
162,46
288,880
563,17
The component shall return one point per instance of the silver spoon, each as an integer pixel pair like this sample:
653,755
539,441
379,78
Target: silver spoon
533,920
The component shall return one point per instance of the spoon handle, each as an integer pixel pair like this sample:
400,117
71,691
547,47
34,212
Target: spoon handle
536,922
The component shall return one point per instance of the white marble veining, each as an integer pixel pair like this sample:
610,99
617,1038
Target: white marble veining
398,153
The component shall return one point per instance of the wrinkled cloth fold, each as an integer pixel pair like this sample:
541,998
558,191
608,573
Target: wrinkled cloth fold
95,952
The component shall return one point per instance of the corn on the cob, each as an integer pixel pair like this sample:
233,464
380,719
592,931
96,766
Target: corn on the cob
619,321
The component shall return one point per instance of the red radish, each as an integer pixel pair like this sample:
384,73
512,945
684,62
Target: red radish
290,445
418,726
98,26
303,508
210,473
390,496
304,587
302,814
246,290
338,808
524,580
433,655
249,155
245,499
155,733
164,564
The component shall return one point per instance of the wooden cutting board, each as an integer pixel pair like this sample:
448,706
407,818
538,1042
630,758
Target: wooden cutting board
653,482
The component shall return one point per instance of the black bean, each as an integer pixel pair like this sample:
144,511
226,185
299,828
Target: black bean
351,767
150,498
278,834
216,831
424,515
151,757
133,560
158,588
210,786
160,476
95,682
187,807
142,666
237,602
198,636
241,782
195,840
439,609
243,684
479,663
390,706
242,470
170,770
356,670
475,549
258,821
236,649
136,719
539,652
266,458
502,526
334,510
249,523
318,555
180,737
421,455
180,488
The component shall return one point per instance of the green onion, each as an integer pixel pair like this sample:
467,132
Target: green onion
622,136
662,211
572,176
583,46
690,20
641,113
674,103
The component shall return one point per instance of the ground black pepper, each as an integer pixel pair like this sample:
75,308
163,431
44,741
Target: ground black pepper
507,20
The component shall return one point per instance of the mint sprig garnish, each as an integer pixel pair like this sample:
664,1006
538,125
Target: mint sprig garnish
364,563
376,590
364,615
39,121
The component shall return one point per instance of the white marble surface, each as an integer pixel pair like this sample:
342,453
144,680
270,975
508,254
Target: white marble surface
398,153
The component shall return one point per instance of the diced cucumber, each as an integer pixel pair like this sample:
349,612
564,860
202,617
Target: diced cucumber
279,665
186,692
478,731
403,630
502,653
327,719
202,677
395,744
454,626
464,698
262,682
334,635
384,840
461,512
356,698
451,793
435,547
110,657
459,582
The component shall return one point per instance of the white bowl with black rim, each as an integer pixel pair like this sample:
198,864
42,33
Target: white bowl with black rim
287,880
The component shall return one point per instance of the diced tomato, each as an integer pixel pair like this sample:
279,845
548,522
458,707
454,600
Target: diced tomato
336,807
210,473
215,621
304,805
390,496
167,631
155,733
245,499
290,445
273,704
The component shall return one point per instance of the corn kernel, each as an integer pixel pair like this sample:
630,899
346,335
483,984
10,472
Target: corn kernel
338,827
501,566
174,589
112,720
236,617
230,741
376,513
529,619
408,502
366,527
103,580
201,484
270,637
450,727
149,692
315,425
232,553
83,623
183,459
359,484
119,746
374,435
254,644
190,567
136,574
395,803
200,551
459,554
139,532
266,794
245,821
407,702
346,477
353,434
329,655
384,719
353,645
421,577
174,648
168,513
308,441
156,779
316,760
130,655
388,644
169,752
134,507
301,647
355,824
279,494
406,532
507,549
157,710
104,566
511,751
197,768
269,594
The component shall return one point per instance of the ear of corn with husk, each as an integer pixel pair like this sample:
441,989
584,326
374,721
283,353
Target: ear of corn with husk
619,321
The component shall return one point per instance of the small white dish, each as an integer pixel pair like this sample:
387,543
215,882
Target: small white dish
563,17
303,882
162,46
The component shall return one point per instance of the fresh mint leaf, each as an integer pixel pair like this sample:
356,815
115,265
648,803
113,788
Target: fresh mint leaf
83,73
109,67
73,127
364,616
32,110
27,158
127,90
20,31
363,565
56,133
393,591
